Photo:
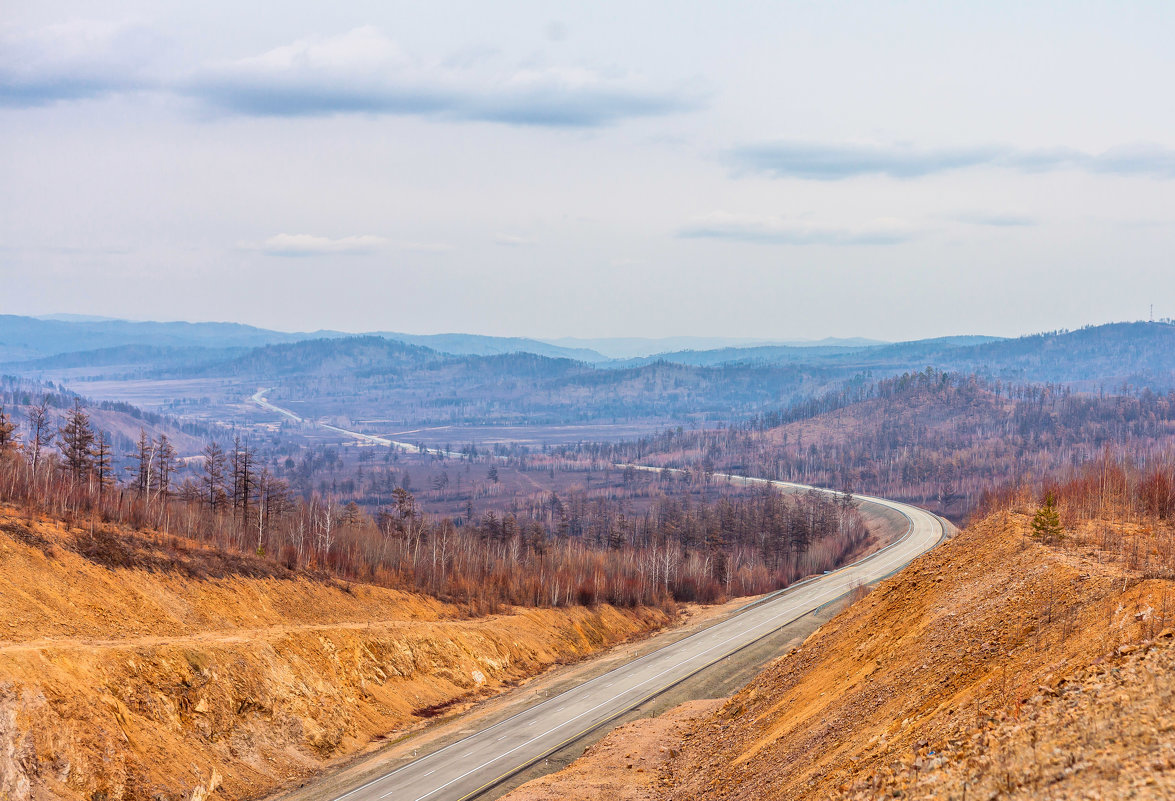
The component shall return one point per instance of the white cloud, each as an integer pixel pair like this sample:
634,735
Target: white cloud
76,59
310,245
364,71
824,161
789,231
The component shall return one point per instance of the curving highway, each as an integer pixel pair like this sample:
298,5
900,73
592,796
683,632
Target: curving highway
472,765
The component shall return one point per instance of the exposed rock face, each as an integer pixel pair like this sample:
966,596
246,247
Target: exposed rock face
124,684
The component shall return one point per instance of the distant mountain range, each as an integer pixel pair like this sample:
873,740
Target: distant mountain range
31,338
28,338
638,347
1096,357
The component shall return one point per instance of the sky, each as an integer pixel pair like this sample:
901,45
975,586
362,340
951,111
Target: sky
756,169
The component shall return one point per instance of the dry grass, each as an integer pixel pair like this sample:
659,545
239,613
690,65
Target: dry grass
993,667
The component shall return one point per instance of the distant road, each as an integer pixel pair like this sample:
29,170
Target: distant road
471,765
259,398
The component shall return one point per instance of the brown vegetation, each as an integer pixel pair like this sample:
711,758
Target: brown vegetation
939,440
545,553
997,666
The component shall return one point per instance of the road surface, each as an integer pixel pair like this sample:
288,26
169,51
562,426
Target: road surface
259,398
469,766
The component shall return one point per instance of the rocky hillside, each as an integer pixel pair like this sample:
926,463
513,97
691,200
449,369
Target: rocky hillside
135,667
996,666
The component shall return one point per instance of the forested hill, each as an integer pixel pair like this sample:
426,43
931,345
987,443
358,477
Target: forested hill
365,376
1095,357
1106,356
352,356
933,438
122,423
373,375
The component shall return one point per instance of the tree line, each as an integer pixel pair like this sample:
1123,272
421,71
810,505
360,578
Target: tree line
552,551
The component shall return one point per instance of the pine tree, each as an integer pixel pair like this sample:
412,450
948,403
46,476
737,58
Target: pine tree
7,431
77,441
1046,523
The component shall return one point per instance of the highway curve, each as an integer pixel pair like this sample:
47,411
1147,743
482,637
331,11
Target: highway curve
477,762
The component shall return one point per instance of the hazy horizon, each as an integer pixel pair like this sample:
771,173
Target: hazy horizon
568,339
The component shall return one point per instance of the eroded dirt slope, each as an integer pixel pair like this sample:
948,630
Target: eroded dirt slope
184,676
993,667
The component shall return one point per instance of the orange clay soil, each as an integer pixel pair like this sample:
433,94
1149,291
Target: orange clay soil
194,673
993,667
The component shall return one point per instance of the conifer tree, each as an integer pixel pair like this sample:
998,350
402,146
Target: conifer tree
1046,523
7,431
77,441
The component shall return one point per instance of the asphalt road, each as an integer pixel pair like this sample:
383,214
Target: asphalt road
479,761
259,398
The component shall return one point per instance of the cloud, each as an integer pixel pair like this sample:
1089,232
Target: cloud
309,245
995,218
833,162
358,72
363,71
75,60
781,231
425,247
513,240
1140,158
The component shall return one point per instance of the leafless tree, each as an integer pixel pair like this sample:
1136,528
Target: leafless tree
40,434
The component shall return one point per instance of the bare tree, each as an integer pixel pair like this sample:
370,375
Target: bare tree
213,479
164,465
142,469
102,462
244,480
40,435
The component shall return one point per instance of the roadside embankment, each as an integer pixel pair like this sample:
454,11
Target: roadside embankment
186,672
995,666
